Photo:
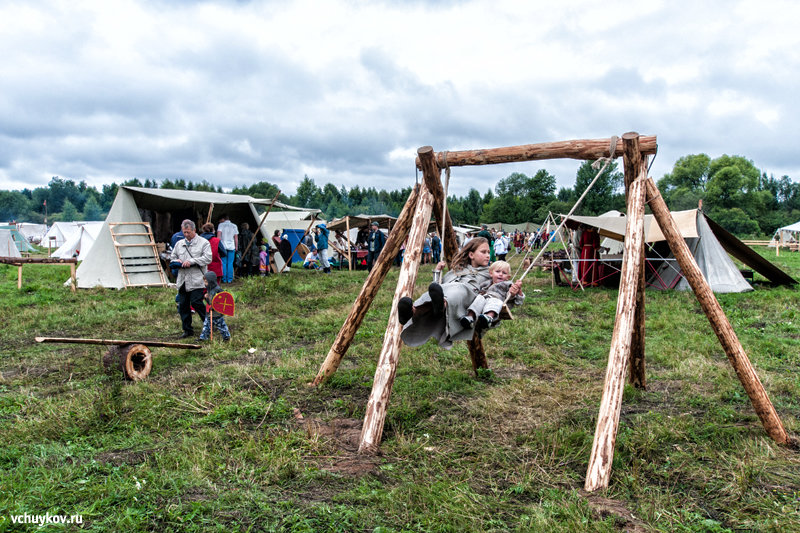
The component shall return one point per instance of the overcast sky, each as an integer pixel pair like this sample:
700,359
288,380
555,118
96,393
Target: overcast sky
346,91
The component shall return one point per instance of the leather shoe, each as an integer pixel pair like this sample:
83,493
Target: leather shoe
437,299
405,309
186,334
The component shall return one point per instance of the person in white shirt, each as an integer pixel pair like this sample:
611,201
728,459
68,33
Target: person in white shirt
228,233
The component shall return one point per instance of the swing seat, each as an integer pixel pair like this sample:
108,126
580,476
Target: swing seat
505,313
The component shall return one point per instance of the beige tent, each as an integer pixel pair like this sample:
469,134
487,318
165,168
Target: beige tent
163,209
710,244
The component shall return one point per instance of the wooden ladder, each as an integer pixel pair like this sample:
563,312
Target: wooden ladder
134,264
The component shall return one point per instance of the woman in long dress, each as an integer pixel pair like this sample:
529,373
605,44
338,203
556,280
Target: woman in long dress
589,244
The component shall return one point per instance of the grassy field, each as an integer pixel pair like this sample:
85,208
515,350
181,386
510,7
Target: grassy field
211,441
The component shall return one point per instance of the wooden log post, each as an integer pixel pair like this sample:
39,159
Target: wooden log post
390,352
432,179
575,149
716,316
369,290
477,354
634,165
599,471
134,361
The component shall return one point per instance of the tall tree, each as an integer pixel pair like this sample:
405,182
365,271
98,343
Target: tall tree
605,195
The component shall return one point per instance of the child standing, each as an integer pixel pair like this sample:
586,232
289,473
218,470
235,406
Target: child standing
212,289
485,309
263,261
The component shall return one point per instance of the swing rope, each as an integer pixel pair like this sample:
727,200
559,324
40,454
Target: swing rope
606,161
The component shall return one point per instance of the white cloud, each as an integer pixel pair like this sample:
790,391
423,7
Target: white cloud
345,91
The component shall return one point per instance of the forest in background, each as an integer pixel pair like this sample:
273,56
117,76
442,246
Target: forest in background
733,191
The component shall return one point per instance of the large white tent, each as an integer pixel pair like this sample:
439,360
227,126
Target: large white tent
163,209
710,244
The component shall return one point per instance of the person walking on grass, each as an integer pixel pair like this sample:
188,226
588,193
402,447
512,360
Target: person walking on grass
322,246
193,254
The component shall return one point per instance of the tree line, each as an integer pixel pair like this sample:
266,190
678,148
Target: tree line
732,190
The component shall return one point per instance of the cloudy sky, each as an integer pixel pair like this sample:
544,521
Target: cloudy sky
346,91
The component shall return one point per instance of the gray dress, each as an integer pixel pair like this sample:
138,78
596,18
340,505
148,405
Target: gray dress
460,288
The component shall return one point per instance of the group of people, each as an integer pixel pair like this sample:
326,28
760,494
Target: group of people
501,242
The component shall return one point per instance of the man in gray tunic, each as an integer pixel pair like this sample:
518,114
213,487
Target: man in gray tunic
193,253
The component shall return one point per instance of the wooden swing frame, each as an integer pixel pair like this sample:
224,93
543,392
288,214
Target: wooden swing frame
627,343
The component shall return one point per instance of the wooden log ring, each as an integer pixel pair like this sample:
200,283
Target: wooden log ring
134,361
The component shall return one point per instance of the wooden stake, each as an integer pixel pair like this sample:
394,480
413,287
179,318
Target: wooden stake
19,277
73,279
576,149
634,165
390,353
716,316
599,471
477,353
369,290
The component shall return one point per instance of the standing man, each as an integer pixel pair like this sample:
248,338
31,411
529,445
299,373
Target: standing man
193,252
322,246
228,233
484,232
375,242
436,246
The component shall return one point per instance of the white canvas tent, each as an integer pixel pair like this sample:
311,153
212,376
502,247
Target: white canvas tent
60,232
709,243
7,246
163,209
32,232
80,242
786,235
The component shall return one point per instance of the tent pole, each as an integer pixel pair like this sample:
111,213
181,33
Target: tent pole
716,316
313,219
210,210
263,219
349,253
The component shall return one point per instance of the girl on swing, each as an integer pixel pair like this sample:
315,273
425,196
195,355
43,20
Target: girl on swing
437,313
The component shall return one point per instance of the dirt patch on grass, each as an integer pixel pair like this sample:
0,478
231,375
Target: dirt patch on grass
605,507
344,434
125,457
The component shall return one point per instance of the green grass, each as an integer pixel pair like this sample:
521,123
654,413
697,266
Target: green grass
210,441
